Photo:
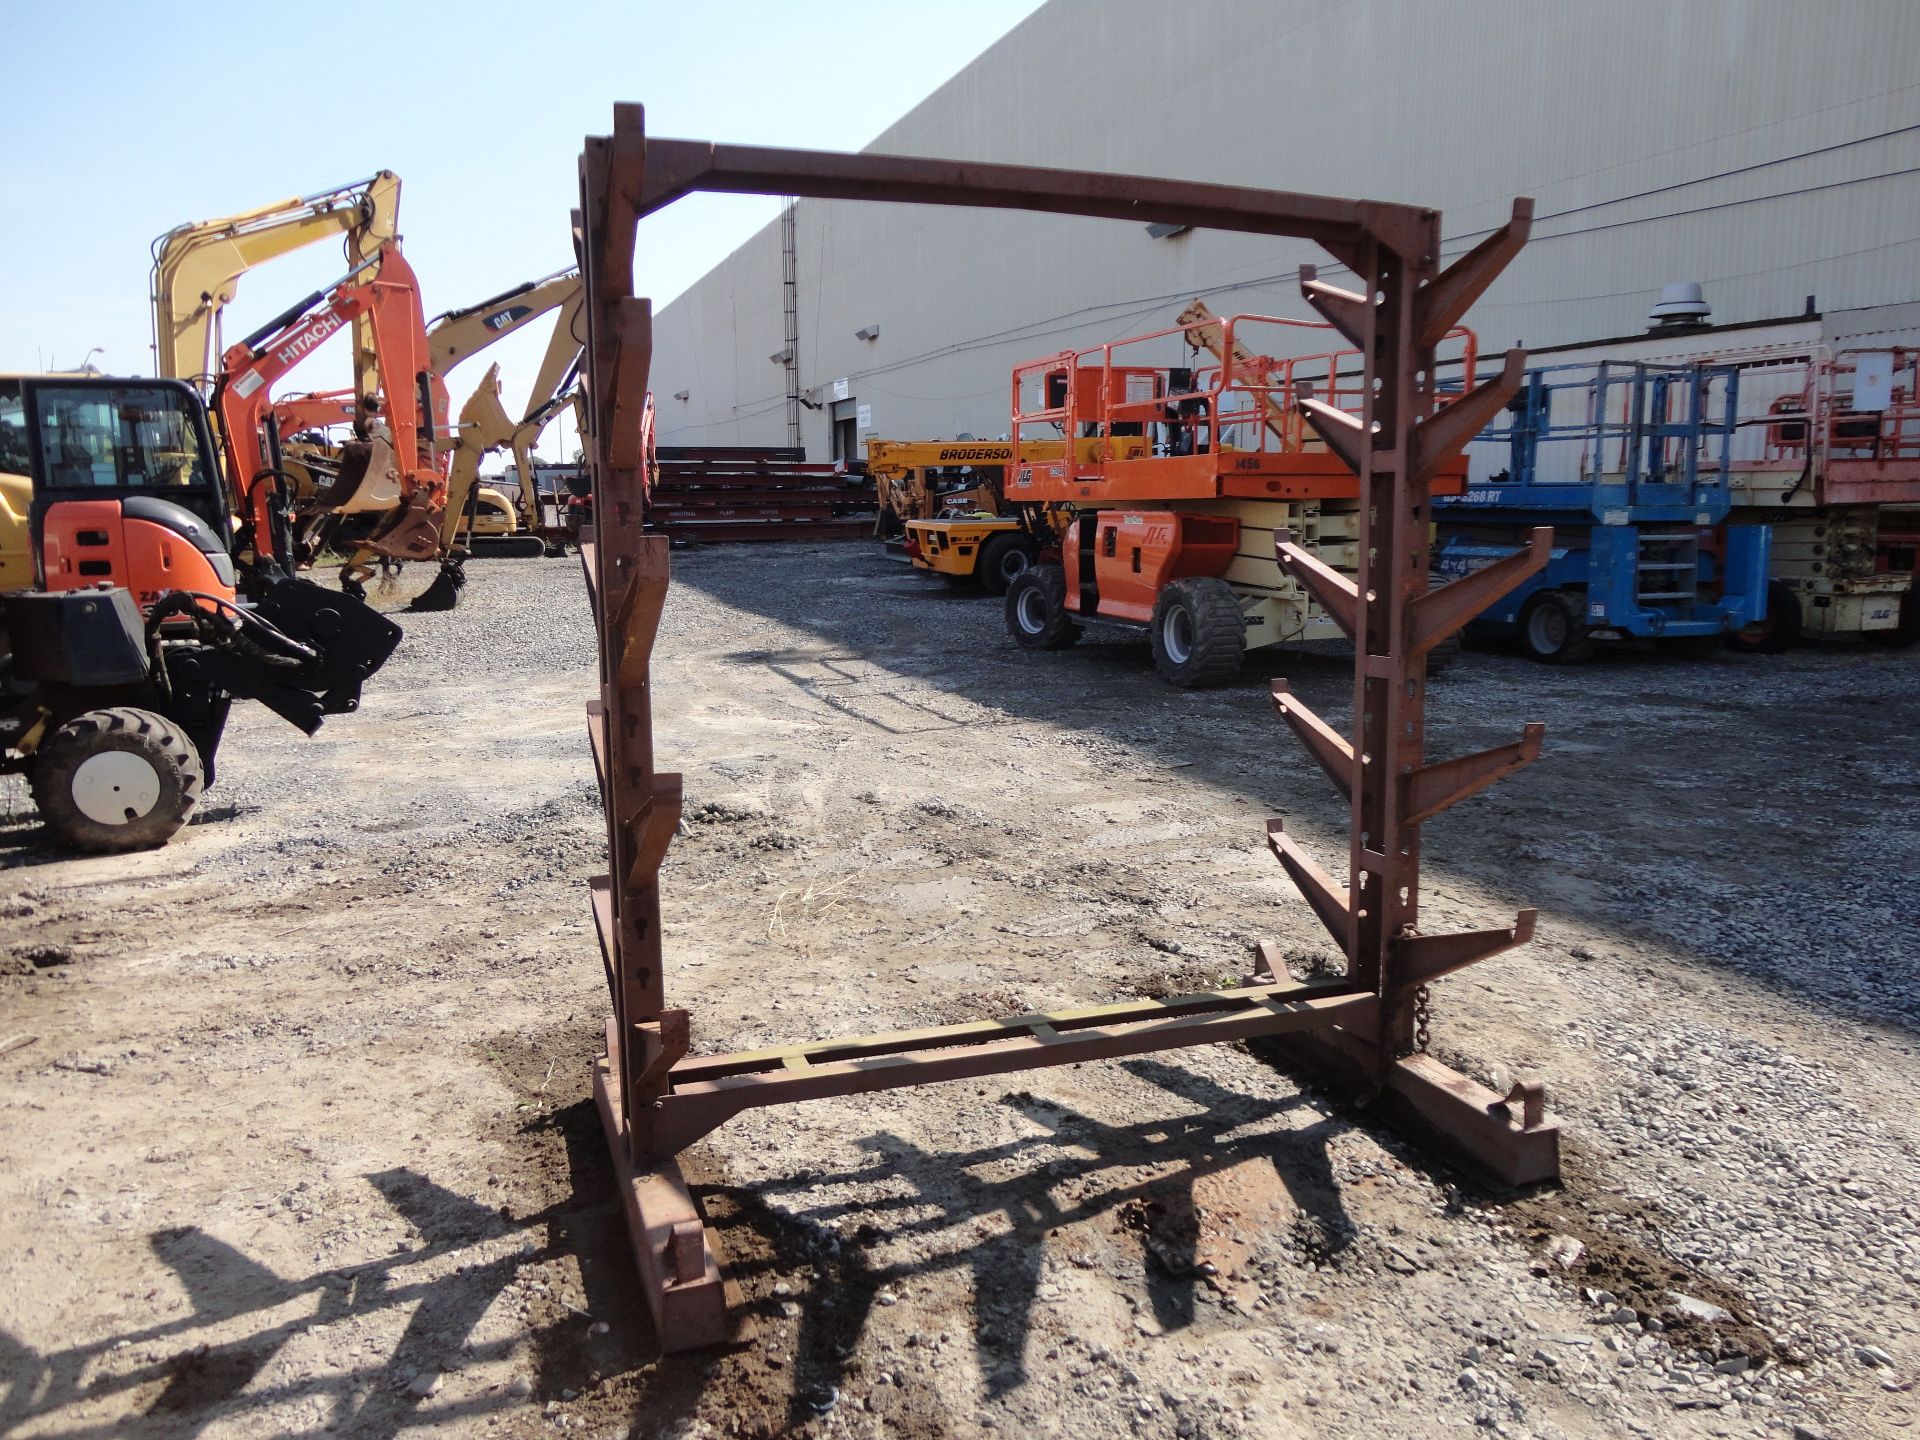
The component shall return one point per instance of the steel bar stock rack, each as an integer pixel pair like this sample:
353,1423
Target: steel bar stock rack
656,1097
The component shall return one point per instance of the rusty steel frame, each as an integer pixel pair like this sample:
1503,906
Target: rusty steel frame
655,1097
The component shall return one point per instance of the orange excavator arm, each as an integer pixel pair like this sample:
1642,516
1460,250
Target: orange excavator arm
399,436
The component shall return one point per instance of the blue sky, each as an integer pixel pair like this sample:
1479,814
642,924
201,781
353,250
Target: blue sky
123,120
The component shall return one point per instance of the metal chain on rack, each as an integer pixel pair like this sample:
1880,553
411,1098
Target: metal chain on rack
1422,1018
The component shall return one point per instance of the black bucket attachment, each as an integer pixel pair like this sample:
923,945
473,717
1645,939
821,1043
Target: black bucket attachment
444,592
353,639
310,663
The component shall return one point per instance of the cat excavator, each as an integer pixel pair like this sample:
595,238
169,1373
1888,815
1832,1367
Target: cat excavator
480,519
487,521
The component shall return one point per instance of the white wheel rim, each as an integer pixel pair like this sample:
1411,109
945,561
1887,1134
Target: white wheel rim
115,786
1549,629
1032,611
1177,635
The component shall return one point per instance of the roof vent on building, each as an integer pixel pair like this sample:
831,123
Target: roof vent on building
1683,305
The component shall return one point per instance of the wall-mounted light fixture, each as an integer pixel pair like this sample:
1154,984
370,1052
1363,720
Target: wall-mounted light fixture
681,394
1161,230
780,357
867,332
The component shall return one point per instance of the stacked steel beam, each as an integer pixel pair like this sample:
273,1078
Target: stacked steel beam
740,492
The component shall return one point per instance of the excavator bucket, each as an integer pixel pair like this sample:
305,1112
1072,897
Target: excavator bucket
444,592
368,480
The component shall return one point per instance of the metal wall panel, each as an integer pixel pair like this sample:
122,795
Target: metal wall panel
1771,151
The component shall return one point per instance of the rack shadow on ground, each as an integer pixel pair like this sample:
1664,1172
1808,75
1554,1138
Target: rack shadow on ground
220,1379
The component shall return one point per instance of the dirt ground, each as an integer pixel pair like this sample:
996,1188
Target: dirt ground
297,1136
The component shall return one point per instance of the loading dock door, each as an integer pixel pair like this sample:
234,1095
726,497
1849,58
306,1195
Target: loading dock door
845,439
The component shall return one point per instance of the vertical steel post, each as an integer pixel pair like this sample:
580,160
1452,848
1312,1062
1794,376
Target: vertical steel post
627,574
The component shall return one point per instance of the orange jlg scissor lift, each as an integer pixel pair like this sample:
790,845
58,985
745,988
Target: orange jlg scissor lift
1180,481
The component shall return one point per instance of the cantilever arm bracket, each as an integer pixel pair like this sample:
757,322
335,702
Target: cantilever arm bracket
1454,289
1438,613
1338,595
636,619
1327,899
1346,437
1430,789
651,830
1323,742
627,386
1421,958
1443,434
664,1042
1350,313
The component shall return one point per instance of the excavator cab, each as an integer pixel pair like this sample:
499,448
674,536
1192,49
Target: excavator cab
125,487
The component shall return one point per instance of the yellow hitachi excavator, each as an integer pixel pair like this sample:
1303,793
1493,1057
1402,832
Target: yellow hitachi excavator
196,273
197,268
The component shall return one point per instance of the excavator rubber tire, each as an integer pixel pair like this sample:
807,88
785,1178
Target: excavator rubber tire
115,780
1199,633
1553,629
1037,615
1002,560
1775,634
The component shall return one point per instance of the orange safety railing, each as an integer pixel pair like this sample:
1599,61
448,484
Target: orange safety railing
1797,398
1240,403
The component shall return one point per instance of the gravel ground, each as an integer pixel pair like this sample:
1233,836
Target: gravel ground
297,1136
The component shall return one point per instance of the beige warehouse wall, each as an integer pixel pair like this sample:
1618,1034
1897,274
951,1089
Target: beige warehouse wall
1771,150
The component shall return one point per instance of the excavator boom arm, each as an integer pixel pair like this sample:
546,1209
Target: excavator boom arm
197,267
415,409
461,334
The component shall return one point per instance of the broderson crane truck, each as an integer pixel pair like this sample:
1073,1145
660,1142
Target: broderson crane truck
948,496
921,479
1192,476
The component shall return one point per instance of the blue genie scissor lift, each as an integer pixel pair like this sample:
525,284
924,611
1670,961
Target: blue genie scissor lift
1628,462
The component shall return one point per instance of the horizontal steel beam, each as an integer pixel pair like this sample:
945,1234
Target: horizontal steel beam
677,168
706,1092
